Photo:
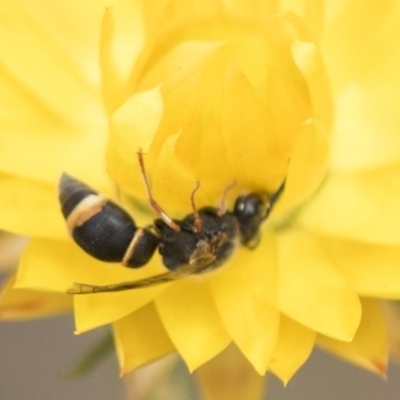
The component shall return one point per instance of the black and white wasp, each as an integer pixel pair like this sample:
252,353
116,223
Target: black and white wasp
200,242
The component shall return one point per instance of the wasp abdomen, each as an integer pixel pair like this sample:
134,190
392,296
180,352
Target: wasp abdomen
71,193
141,248
102,228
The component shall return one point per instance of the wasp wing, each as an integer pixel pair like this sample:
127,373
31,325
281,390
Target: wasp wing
84,288
184,271
201,259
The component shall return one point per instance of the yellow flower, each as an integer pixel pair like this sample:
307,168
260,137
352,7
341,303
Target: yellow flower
219,91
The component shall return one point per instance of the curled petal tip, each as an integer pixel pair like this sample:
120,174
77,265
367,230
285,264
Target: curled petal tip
379,368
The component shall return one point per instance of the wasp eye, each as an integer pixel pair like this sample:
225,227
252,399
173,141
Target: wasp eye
250,211
249,206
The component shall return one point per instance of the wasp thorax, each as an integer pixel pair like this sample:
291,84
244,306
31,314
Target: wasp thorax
206,249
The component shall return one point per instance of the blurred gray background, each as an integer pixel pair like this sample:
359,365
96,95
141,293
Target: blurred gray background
35,354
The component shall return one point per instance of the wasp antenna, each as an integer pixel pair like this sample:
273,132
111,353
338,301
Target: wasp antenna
156,207
198,223
224,203
274,198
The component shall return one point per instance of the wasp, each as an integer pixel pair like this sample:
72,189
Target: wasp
200,242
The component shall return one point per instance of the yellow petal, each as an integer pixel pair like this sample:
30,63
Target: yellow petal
295,343
52,118
94,310
111,80
309,60
373,270
202,131
169,170
138,118
191,320
245,291
312,291
311,11
363,61
133,127
36,151
366,127
162,19
52,79
215,125
18,304
243,112
180,73
289,110
261,9
120,40
361,206
218,125
369,348
307,165
55,265
353,46
37,31
30,208
81,21
141,338
180,64
230,376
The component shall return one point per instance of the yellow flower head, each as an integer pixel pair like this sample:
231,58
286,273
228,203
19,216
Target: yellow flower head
219,92
218,95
